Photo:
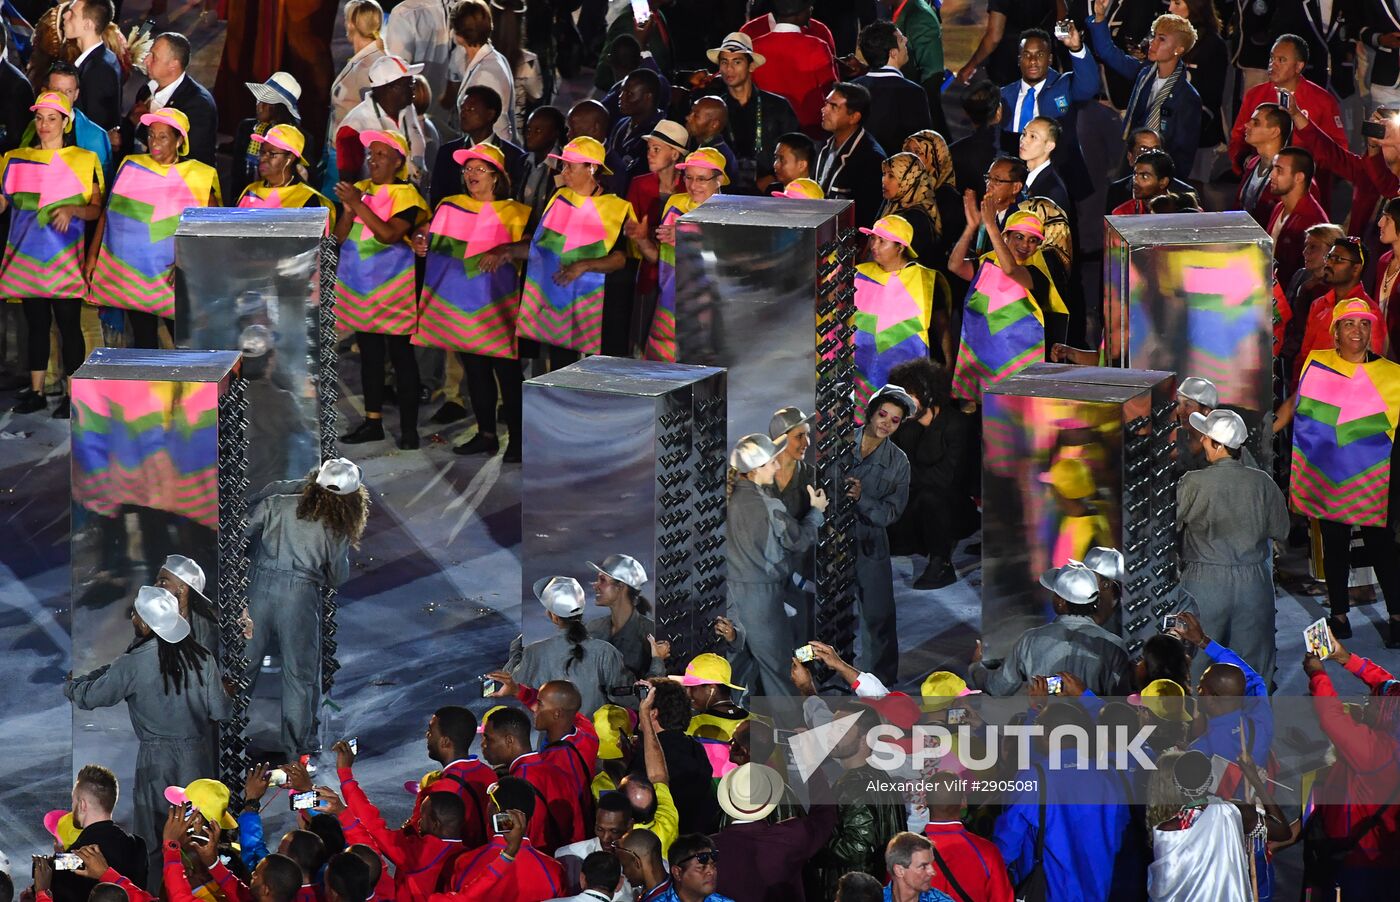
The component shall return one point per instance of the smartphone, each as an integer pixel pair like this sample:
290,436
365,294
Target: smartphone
1170,622
1373,130
957,716
1062,30
805,654
501,822
641,11
354,745
303,801
1054,685
67,861
1285,100
783,737
489,688
643,690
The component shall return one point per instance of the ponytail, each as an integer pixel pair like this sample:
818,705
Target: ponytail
367,17
576,633
731,476
639,601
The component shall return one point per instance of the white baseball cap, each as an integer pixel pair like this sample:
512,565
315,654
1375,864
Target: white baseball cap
1202,391
1224,426
786,420
1106,562
561,596
754,450
388,69
161,612
624,568
339,476
186,571
1073,582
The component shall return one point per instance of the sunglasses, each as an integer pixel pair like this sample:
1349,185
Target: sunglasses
704,859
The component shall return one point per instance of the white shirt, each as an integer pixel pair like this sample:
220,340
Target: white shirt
78,63
418,31
1039,88
780,27
159,98
572,856
350,85
489,68
1030,176
367,116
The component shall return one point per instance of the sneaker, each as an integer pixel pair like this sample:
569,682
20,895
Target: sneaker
479,444
938,574
409,441
512,452
368,431
61,412
29,402
450,412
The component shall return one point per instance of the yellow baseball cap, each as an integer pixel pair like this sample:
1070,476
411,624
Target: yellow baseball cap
1071,477
709,669
1166,699
940,688
60,824
176,120
288,138
803,188
52,100
1353,308
706,158
896,229
612,722
585,150
209,797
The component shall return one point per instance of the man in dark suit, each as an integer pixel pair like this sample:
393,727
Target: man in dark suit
1041,91
1140,141
99,73
16,96
172,86
898,106
849,163
1038,141
481,107
974,153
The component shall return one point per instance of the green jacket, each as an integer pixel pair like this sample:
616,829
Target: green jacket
924,32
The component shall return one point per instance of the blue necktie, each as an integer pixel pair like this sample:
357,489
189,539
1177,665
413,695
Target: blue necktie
1027,110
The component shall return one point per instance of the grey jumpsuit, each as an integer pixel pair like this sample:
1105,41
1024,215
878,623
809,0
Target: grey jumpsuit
600,671
884,491
176,732
291,561
1227,513
761,544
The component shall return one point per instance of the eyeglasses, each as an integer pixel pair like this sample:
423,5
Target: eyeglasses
704,859
1339,258
478,170
700,178
992,178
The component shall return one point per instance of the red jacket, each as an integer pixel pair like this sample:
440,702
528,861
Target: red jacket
531,876
1288,247
558,819
575,754
468,779
1368,767
1130,208
1391,306
975,862
418,859
1371,179
1313,99
1318,336
759,26
644,194
133,892
801,69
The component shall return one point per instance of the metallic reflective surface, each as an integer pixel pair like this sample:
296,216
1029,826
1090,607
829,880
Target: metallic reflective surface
238,268
764,289
627,457
145,468
1191,293
1075,457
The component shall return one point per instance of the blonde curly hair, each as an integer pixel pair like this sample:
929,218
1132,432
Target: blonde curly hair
1176,25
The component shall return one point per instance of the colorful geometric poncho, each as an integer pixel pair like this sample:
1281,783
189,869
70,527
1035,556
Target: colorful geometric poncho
137,256
291,197
134,445
1003,332
463,308
1343,431
39,261
893,312
661,342
374,290
573,228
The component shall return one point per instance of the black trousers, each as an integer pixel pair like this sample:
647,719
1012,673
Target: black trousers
482,375
39,313
145,328
1336,561
374,350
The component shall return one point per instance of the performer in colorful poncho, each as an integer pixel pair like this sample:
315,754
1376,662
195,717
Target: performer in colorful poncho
374,292
573,248
1001,332
896,302
1344,416
471,291
131,263
279,182
55,189
702,174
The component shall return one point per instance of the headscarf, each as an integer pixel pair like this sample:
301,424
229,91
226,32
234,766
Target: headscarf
1056,225
932,150
916,188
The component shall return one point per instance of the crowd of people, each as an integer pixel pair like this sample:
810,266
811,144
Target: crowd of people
485,229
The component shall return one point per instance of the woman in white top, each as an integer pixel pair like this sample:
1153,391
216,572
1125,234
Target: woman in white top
363,20
482,64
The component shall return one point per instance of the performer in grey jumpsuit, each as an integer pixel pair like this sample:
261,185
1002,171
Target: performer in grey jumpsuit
1227,513
174,694
795,474
877,480
301,532
763,538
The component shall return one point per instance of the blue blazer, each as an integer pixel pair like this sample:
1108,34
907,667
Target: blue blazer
1057,95
1181,112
